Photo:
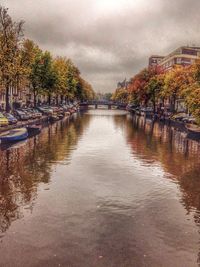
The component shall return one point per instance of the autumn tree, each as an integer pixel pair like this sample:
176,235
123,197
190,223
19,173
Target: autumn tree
32,59
24,66
87,91
72,77
191,89
138,87
69,83
60,68
48,78
154,89
175,81
120,95
36,76
11,34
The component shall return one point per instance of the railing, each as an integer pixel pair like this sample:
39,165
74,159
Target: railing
106,103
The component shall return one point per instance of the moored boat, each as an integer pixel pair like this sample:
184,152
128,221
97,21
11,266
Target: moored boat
14,135
33,129
193,130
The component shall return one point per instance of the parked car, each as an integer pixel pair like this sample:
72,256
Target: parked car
189,119
28,113
38,114
179,116
21,115
11,119
34,113
3,120
45,110
55,109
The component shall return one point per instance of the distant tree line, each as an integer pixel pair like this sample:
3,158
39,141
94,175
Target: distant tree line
23,65
155,87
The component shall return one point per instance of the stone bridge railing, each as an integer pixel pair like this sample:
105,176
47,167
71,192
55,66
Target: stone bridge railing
103,103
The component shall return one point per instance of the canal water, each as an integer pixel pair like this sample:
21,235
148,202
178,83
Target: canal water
103,189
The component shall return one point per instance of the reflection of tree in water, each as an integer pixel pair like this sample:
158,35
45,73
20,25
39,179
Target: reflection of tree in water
23,168
179,157
160,143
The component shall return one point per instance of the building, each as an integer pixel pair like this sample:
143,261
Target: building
185,55
155,60
17,98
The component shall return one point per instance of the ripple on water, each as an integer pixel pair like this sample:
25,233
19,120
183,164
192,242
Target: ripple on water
101,190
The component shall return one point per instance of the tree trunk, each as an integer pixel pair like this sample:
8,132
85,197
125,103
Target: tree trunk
154,106
154,103
163,102
173,103
34,96
7,98
57,100
49,99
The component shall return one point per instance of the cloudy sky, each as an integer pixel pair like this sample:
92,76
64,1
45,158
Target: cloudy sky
109,39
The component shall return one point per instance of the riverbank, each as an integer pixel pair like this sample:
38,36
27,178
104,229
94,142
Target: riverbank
43,120
190,129
20,124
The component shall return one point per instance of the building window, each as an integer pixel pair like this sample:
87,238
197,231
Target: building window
186,60
189,52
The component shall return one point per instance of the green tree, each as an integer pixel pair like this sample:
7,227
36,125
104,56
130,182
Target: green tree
72,77
32,57
154,88
48,76
36,76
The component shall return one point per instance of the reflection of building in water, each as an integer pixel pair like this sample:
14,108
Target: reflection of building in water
168,134
178,156
24,167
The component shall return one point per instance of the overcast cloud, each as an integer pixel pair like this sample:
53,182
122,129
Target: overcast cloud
109,39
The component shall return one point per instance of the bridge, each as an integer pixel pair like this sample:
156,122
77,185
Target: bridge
97,103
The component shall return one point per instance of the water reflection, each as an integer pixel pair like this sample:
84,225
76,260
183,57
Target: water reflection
25,165
178,156
119,191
